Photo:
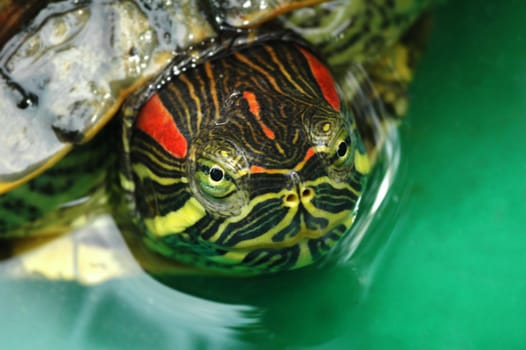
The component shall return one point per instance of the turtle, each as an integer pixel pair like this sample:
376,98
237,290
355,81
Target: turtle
230,136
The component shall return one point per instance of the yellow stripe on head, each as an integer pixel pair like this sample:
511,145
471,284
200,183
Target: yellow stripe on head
177,221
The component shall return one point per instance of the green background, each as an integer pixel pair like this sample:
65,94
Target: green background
444,263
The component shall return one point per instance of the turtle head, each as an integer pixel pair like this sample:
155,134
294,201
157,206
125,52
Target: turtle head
247,162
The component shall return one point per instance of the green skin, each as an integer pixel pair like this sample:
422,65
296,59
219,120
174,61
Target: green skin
46,204
207,207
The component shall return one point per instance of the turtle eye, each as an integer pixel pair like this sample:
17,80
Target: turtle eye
342,151
213,180
216,174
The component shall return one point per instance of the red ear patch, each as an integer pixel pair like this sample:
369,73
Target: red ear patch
324,79
156,121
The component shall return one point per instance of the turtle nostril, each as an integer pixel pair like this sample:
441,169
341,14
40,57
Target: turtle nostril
291,200
307,194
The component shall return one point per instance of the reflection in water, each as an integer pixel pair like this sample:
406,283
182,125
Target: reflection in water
211,311
303,307
150,314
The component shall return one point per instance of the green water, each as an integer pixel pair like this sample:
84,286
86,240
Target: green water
443,265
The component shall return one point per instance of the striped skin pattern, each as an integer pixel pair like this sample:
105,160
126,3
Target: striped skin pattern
247,162
63,194
363,30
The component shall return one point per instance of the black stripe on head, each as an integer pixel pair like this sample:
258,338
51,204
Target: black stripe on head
332,199
319,247
290,231
263,217
264,183
272,259
206,227
145,150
